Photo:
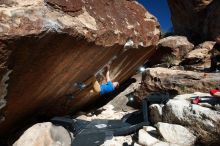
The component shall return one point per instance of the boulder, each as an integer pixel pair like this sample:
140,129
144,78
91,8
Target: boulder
176,82
199,58
204,122
176,134
155,113
46,46
152,131
145,139
171,50
198,20
44,134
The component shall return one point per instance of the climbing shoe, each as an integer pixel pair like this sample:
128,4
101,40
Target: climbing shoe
80,85
196,100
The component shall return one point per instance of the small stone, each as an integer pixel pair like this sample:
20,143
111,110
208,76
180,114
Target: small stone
155,113
150,130
176,134
217,107
146,139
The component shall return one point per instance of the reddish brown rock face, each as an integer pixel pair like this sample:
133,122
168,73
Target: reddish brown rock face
46,47
196,19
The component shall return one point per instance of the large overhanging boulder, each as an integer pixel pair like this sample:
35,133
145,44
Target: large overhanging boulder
47,46
197,19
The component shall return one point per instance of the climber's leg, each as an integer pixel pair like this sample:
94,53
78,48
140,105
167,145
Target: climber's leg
96,86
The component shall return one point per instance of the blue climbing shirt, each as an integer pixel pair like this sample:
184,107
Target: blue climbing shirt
106,88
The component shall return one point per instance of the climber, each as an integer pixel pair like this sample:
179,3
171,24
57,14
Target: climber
107,87
215,56
102,89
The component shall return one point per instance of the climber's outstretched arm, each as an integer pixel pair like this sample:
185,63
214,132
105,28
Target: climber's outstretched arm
107,74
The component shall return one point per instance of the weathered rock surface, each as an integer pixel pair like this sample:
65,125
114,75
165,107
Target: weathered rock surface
199,58
155,113
44,134
150,130
177,81
171,50
176,134
196,19
145,139
47,46
203,121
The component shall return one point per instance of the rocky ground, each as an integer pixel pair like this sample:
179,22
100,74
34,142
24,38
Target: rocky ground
176,123
47,46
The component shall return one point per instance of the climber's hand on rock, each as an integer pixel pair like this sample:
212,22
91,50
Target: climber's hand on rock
107,67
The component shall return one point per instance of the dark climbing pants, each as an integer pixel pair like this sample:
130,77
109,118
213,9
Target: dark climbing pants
214,60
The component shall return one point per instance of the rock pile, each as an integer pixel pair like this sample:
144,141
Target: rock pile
199,57
177,123
203,122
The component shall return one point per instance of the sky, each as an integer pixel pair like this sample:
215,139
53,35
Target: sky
160,9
